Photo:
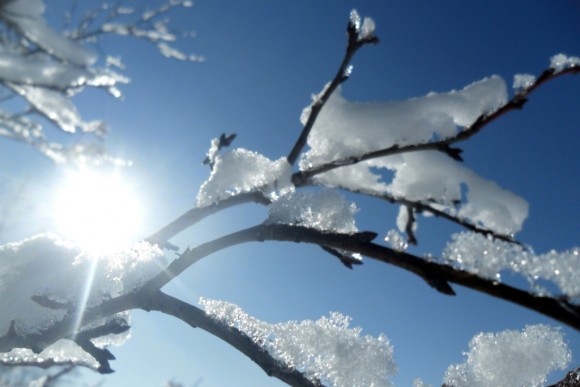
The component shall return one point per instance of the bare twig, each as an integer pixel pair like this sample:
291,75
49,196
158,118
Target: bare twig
354,43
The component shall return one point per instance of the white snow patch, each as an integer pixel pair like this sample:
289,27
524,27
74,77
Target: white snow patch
560,62
488,258
324,210
327,349
345,129
240,171
523,81
511,358
48,266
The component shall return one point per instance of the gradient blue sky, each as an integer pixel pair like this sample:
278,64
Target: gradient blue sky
264,60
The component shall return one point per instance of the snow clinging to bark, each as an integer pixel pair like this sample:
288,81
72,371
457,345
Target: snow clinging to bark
488,258
345,129
327,349
324,210
240,171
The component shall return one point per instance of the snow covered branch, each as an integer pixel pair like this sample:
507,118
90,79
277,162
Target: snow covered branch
44,69
197,318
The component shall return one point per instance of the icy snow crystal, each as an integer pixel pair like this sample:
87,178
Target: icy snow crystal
49,267
523,81
241,170
561,62
511,358
326,349
346,129
487,258
324,210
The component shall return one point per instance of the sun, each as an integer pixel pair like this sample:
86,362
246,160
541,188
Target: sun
100,212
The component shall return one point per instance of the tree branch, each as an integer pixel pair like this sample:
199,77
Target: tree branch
516,103
197,318
196,214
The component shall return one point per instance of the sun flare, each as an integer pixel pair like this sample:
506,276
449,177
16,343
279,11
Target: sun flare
100,212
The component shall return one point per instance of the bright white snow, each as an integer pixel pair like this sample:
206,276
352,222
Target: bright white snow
50,267
326,349
561,62
324,210
241,170
511,358
345,129
488,258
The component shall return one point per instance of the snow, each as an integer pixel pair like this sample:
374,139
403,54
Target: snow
396,240
59,352
345,129
241,170
488,258
324,210
511,358
327,349
75,278
26,16
364,30
561,62
523,81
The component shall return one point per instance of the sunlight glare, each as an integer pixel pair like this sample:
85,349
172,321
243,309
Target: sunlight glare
97,211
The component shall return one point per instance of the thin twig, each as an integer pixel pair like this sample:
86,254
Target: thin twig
354,43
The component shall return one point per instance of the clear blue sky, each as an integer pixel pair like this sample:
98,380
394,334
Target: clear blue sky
264,60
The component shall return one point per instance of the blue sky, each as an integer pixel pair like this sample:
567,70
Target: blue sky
264,60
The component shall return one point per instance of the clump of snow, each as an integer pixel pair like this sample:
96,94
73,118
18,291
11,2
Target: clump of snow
396,240
26,16
511,358
364,30
324,210
488,257
326,349
59,272
345,129
61,352
419,383
523,81
240,171
560,62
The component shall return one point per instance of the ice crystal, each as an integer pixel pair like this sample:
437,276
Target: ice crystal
511,358
324,210
328,349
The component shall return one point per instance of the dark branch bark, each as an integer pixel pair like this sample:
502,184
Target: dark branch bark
196,214
435,274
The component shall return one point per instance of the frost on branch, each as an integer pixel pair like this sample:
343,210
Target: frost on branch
240,171
561,62
44,279
511,358
324,210
327,349
46,67
523,81
487,258
347,129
